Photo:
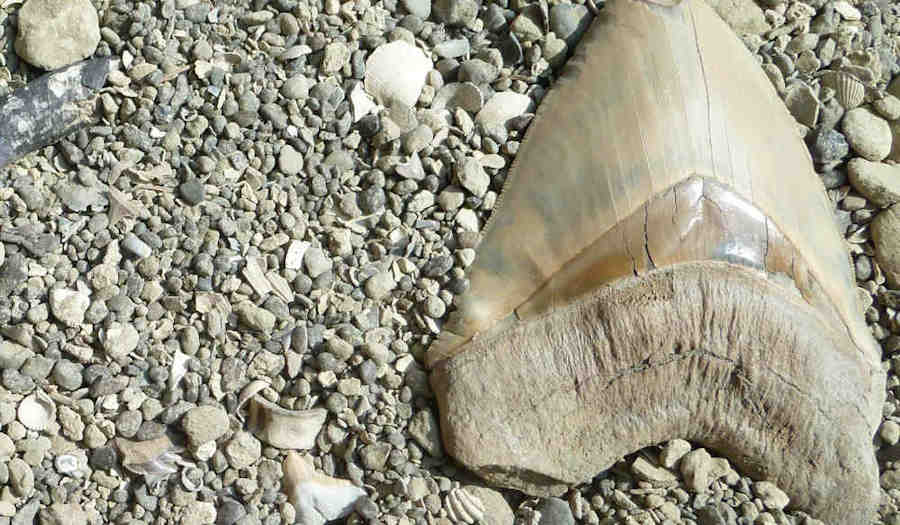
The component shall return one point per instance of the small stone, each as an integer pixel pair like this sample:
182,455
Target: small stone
204,423
877,181
64,514
828,145
890,432
885,230
773,498
67,374
243,450
695,467
119,340
673,451
473,177
199,513
380,285
888,107
21,477
420,8
290,162
555,511
847,11
296,87
7,448
455,12
569,22
255,317
136,247
316,262
657,476
526,28
869,135
375,456
192,192
69,306
336,55
13,356
716,513
423,427
452,48
57,33
803,104
229,512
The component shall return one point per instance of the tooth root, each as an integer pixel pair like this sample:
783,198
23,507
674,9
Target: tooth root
663,264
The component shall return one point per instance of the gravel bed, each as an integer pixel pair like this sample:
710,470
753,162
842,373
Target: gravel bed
252,248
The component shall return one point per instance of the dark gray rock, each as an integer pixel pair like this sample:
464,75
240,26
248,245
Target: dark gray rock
555,511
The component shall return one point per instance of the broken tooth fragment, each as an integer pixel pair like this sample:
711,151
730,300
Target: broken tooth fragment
663,264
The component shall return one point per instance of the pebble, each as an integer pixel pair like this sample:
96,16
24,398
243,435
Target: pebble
52,35
716,513
455,12
889,432
386,84
316,262
13,356
243,450
204,423
868,134
380,285
199,513
67,374
569,22
555,511
828,145
375,456
877,181
255,317
64,514
229,512
136,247
119,340
773,498
21,477
424,429
192,191
290,162
803,104
696,467
69,306
473,178
7,448
888,107
885,230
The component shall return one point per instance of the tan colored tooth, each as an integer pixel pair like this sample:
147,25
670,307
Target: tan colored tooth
663,264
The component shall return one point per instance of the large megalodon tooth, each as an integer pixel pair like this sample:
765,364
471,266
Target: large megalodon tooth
664,263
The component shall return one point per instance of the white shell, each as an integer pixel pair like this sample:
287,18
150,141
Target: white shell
849,91
395,72
463,507
36,411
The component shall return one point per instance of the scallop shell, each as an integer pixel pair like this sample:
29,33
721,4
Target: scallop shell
463,507
37,411
849,91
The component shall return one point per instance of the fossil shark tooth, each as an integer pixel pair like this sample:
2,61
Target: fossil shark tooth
663,264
